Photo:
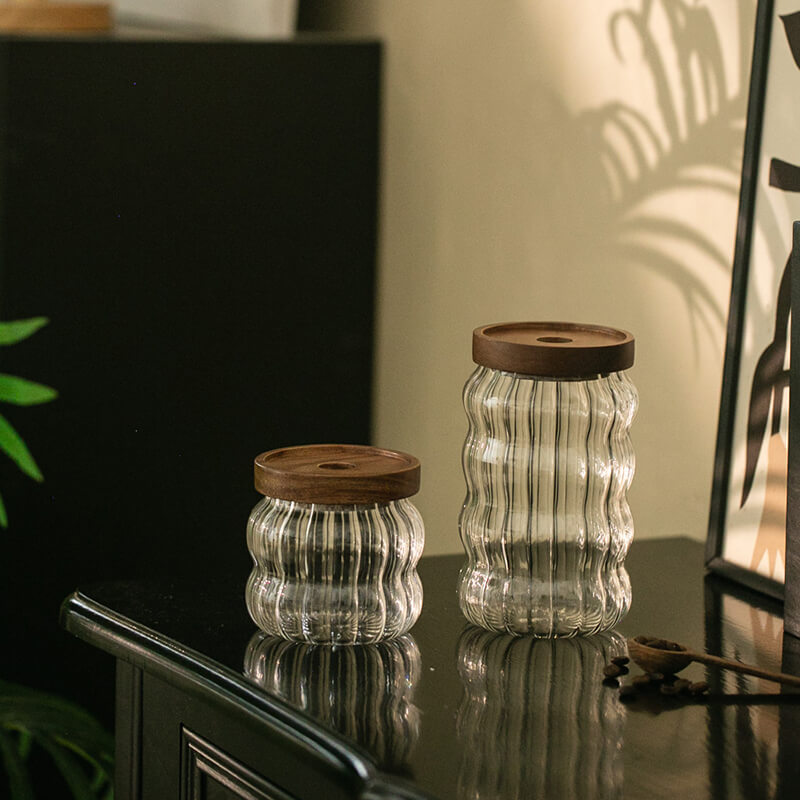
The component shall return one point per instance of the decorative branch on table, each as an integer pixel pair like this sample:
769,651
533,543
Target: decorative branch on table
20,392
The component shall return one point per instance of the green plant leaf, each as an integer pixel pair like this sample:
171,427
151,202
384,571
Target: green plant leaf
11,443
3,515
21,392
13,332
24,744
43,714
72,772
102,776
81,749
19,781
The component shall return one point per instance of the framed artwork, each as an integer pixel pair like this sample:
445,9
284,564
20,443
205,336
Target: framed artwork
792,584
747,526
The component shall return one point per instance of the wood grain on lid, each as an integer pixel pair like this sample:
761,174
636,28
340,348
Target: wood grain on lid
46,17
553,349
337,474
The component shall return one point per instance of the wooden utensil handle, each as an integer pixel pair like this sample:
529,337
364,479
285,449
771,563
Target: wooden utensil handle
747,669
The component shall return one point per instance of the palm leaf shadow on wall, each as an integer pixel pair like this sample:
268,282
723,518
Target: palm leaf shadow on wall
700,151
694,144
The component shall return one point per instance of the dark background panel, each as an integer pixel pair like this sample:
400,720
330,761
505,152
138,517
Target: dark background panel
197,220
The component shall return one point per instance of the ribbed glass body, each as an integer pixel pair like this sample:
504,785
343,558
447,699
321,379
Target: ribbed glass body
365,692
334,574
546,523
535,720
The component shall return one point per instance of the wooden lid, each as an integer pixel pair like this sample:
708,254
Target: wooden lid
337,474
553,349
29,16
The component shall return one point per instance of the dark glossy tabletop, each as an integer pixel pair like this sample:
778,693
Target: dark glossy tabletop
468,714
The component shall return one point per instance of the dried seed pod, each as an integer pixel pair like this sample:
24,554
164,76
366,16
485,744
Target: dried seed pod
612,671
613,683
620,661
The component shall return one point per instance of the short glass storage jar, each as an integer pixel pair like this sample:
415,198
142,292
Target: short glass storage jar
335,544
548,462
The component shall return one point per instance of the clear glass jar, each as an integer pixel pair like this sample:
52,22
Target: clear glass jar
335,543
548,462
365,692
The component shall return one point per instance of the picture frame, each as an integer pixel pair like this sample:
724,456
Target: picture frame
746,539
792,584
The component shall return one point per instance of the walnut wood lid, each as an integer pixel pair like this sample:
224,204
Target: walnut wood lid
42,16
337,474
553,349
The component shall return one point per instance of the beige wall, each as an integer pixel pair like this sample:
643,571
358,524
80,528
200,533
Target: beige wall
532,172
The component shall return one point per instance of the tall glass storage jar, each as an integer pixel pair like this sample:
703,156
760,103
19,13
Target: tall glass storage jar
548,462
335,544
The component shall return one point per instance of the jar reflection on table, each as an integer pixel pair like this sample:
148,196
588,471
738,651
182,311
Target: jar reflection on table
535,719
365,692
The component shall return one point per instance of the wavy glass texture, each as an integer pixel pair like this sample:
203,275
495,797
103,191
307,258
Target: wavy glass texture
365,692
526,708
334,574
546,523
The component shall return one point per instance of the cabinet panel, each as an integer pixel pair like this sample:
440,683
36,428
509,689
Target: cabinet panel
128,732
195,747
208,773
